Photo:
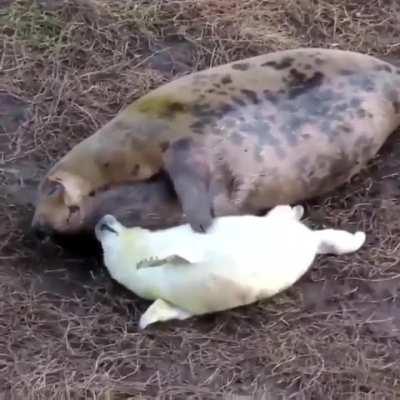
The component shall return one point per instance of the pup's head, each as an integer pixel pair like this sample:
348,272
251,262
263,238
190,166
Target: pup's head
120,244
109,230
112,235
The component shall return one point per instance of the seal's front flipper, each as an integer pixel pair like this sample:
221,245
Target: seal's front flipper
158,262
187,165
161,310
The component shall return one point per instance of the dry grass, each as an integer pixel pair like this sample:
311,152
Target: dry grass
66,330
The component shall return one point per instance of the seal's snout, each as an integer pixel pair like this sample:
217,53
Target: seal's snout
41,230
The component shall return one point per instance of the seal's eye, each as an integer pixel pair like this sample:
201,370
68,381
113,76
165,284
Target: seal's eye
55,188
73,209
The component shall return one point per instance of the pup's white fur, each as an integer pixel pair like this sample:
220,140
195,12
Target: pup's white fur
241,259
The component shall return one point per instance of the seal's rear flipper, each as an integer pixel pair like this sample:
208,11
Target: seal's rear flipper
158,262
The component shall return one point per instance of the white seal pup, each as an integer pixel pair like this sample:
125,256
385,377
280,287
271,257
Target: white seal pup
242,259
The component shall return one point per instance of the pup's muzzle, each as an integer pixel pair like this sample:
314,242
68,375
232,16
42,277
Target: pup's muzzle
108,223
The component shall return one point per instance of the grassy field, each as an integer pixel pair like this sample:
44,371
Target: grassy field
67,331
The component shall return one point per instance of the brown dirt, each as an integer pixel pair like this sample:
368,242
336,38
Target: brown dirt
67,331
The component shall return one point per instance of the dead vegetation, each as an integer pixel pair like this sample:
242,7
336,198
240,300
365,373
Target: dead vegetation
66,330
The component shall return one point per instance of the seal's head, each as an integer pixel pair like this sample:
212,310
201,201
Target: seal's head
149,204
55,210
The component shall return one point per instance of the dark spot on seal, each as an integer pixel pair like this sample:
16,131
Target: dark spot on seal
319,61
183,145
383,67
271,97
164,146
73,209
226,80
222,93
355,102
306,136
202,110
339,108
229,122
241,66
392,95
345,128
362,82
307,67
217,85
302,87
291,126
361,113
346,72
211,91
161,107
236,138
106,165
297,76
135,170
226,108
92,193
251,95
286,62
175,107
197,127
262,131
238,101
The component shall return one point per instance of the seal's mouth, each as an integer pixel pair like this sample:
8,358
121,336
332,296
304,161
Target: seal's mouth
105,227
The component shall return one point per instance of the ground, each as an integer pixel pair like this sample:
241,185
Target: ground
67,331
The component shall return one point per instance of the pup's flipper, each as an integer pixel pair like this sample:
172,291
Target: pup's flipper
338,242
161,310
174,259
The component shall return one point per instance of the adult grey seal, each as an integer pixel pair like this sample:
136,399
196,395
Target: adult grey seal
238,138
